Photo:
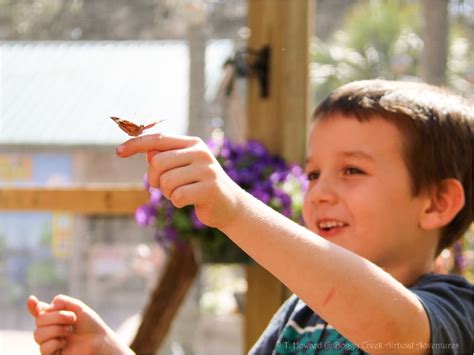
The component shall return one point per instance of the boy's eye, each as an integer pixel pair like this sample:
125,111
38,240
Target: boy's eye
312,175
351,171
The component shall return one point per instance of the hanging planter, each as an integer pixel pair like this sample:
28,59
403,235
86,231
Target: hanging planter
267,177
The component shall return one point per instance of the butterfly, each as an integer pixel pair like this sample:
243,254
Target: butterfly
131,128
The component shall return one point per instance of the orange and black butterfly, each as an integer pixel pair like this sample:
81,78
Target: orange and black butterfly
131,128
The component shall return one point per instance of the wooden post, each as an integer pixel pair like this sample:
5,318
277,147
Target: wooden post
164,302
278,121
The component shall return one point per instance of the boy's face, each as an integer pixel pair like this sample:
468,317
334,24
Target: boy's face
359,193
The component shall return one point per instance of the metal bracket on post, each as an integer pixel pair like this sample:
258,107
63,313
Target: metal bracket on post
254,62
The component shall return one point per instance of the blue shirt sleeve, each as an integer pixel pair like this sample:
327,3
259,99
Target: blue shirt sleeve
448,301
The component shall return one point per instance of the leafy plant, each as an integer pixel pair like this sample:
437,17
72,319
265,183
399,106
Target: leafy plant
267,177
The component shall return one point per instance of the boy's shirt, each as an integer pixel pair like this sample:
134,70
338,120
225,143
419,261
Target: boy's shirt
295,329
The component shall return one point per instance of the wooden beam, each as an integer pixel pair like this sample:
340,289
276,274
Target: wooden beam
278,121
110,200
165,300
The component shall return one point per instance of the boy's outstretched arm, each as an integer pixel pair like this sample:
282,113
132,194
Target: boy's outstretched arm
69,326
363,302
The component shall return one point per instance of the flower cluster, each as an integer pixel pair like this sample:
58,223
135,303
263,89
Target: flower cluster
267,177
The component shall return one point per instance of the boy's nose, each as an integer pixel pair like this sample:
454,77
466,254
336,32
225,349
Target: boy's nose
322,191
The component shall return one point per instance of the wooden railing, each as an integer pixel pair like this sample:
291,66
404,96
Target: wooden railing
88,199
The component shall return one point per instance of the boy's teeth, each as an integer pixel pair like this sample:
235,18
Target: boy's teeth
330,224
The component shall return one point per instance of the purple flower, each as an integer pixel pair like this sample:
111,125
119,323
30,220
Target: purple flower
287,212
196,222
145,215
173,238
225,152
278,176
161,238
228,165
267,177
284,198
170,233
296,170
246,177
155,196
169,211
265,185
261,195
234,175
257,149
145,181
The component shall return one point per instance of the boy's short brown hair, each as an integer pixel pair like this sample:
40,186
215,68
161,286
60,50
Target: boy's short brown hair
437,127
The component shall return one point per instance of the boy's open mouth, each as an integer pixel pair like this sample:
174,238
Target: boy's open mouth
330,224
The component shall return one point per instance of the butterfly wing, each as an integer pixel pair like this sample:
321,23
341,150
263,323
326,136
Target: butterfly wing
128,127
131,128
152,124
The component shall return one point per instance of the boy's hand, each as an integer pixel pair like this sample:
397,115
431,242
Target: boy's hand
69,326
187,173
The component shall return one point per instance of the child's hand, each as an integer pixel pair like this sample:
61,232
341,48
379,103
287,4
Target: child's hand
69,326
187,173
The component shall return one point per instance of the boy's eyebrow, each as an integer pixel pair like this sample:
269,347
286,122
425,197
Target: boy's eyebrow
358,154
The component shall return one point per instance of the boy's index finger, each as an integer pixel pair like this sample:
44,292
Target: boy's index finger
157,142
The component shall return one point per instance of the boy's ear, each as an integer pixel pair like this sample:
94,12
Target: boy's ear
446,199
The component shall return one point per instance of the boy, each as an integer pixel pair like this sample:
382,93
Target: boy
390,185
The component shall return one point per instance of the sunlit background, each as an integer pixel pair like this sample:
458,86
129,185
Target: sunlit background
67,65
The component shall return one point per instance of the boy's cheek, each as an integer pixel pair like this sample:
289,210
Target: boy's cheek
307,219
306,209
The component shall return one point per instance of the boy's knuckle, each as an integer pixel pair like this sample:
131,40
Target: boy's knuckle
212,173
195,139
156,136
64,317
47,349
164,181
177,198
165,185
152,180
202,155
154,159
36,336
60,297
